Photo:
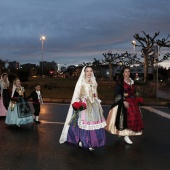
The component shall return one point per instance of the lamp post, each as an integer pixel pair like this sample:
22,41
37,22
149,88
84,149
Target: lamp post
134,45
42,38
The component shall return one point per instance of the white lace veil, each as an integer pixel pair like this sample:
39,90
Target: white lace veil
75,97
2,82
2,77
13,88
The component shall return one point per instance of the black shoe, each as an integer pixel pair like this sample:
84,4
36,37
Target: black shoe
37,122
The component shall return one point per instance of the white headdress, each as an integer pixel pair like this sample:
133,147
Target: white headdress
76,95
13,88
2,82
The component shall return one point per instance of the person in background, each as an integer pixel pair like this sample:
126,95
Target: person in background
5,95
19,111
37,100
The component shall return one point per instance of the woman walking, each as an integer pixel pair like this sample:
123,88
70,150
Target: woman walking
18,111
87,128
125,118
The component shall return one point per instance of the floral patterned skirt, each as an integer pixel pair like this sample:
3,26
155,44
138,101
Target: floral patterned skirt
89,127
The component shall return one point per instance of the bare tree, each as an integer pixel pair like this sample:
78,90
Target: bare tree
128,59
96,64
147,42
123,59
110,59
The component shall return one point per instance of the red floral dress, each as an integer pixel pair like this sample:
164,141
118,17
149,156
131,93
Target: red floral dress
134,116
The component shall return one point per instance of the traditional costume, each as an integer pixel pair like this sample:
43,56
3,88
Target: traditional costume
90,123
125,121
37,100
5,96
19,111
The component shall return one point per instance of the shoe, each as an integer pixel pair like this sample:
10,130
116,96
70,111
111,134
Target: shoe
91,149
37,122
127,140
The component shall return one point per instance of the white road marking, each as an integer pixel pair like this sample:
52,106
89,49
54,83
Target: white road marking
163,114
159,106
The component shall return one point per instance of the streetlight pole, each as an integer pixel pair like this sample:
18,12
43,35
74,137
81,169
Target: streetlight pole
42,38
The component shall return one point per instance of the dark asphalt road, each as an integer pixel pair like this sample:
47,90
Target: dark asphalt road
36,147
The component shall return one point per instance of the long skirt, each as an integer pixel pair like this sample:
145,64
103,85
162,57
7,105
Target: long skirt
134,120
6,98
3,111
89,127
134,115
19,113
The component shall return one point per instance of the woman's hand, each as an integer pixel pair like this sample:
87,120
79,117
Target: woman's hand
125,94
126,104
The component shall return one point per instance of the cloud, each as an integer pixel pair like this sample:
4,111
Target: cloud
76,30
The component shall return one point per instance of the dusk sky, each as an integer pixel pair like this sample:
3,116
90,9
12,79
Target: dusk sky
77,30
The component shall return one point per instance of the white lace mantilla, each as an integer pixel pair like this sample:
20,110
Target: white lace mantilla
91,127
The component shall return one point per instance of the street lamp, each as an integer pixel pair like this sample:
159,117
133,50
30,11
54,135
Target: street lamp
42,38
134,44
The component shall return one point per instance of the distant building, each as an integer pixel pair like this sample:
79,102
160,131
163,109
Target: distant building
63,68
31,68
50,65
28,66
72,67
13,65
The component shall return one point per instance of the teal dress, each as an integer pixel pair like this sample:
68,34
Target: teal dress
19,111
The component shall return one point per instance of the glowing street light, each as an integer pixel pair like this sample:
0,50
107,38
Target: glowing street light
134,45
42,38
134,42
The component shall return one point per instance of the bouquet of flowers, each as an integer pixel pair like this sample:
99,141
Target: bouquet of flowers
14,100
77,106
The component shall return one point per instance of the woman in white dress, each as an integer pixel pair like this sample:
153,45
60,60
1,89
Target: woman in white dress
88,132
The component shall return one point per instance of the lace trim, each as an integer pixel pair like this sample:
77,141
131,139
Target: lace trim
131,81
91,127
